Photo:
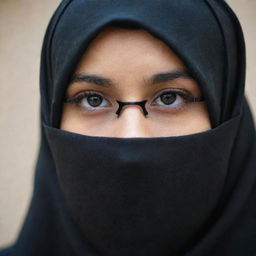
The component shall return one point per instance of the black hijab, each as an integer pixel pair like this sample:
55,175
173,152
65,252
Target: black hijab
191,195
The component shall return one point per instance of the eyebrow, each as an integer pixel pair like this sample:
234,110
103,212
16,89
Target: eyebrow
155,79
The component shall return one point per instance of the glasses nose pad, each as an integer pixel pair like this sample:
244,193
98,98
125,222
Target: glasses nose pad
140,103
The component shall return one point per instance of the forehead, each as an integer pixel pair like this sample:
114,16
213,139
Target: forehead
115,33
115,47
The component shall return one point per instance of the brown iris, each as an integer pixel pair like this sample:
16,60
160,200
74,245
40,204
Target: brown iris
168,98
94,100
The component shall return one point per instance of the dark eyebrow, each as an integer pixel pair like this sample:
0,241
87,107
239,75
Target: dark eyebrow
105,82
90,78
169,76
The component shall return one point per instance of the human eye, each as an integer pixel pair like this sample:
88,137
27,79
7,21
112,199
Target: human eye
174,99
89,101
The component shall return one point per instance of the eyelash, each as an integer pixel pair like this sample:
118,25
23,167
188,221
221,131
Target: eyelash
182,93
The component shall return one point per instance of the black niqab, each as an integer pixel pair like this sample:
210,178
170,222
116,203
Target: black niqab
191,195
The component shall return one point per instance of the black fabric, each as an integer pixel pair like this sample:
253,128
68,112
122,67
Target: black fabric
191,195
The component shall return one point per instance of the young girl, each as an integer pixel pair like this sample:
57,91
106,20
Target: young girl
147,139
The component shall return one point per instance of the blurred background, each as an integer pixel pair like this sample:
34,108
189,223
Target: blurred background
22,27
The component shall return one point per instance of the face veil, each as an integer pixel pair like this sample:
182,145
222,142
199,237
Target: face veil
186,195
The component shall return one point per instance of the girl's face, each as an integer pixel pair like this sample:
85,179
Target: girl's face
132,65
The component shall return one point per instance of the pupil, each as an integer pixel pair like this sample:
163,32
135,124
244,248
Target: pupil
94,100
168,98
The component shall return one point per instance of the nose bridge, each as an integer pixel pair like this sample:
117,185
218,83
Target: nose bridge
142,104
132,122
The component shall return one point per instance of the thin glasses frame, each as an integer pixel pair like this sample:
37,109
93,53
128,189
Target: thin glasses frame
142,104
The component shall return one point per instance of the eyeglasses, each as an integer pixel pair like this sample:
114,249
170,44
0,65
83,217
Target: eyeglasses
91,102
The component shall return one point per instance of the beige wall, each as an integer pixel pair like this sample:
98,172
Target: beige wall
22,25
